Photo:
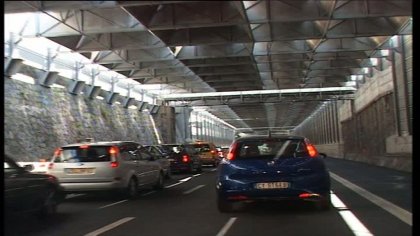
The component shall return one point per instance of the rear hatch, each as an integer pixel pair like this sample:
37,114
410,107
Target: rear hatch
83,164
272,160
205,151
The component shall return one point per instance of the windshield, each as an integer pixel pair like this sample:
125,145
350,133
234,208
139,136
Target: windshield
91,154
270,148
202,147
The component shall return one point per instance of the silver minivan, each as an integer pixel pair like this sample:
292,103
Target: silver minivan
115,165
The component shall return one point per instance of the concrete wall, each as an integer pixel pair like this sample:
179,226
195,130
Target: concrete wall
37,120
376,126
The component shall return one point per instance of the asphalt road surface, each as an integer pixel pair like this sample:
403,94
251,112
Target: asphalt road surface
187,207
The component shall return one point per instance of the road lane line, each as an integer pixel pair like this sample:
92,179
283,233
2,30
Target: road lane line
148,193
196,175
395,210
193,189
74,195
351,220
185,180
110,226
172,185
115,203
227,226
213,169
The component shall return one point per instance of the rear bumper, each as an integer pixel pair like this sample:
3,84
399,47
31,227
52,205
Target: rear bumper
87,187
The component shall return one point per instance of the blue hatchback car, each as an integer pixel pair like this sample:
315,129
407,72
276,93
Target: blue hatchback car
272,168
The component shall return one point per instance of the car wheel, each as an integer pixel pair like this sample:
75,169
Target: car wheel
168,174
159,182
224,206
132,188
324,204
49,207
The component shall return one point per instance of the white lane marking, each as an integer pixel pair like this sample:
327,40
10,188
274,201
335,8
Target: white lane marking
227,226
213,169
181,181
193,189
110,226
185,180
172,185
395,210
115,203
148,193
351,220
74,195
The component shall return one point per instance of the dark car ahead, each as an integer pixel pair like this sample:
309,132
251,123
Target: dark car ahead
29,192
183,158
161,157
272,168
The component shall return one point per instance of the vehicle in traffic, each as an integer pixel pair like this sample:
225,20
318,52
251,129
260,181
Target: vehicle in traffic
183,158
116,165
40,166
259,168
207,152
222,152
29,192
161,157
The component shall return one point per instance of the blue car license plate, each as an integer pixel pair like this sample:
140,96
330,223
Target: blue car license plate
272,185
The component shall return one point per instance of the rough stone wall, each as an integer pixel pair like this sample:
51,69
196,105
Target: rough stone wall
37,120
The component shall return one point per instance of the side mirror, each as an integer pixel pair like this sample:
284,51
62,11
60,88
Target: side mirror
323,155
28,168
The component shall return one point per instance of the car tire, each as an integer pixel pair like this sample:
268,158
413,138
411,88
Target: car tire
224,206
132,188
50,204
159,182
324,204
168,174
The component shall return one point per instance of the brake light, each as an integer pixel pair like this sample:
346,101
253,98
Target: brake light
232,152
58,151
213,151
84,146
311,150
185,158
114,164
113,152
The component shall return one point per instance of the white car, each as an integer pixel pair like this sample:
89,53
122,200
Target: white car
96,166
40,166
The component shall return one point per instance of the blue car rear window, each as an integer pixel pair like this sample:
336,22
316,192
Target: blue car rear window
270,148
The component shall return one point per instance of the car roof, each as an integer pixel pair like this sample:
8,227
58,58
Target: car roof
102,143
254,137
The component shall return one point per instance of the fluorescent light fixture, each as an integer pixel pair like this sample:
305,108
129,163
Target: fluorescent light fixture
23,78
57,86
366,70
384,52
100,97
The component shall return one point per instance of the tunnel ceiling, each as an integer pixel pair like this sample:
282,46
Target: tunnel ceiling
219,46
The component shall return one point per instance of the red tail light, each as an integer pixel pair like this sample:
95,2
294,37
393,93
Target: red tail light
185,158
213,151
114,164
58,151
84,146
113,152
311,149
232,152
